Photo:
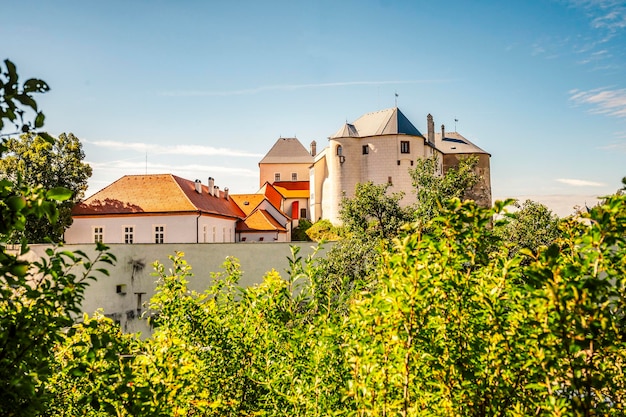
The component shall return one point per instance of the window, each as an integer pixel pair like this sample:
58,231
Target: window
294,176
204,233
404,147
303,213
159,234
98,234
213,233
129,234
366,149
339,150
389,181
277,176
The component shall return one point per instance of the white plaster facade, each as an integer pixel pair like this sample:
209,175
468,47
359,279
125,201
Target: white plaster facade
187,228
380,147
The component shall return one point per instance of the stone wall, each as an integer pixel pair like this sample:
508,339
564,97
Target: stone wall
122,295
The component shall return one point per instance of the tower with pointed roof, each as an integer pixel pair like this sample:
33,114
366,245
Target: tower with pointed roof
287,160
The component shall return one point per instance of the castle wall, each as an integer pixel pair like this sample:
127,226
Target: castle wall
268,171
481,192
132,273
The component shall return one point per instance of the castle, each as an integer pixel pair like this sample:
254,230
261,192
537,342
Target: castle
380,147
295,183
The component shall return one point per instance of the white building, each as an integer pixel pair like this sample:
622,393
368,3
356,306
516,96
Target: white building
160,208
382,147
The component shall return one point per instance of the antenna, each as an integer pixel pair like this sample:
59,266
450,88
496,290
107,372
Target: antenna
455,120
396,94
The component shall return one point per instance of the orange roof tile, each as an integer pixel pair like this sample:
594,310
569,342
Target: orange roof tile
260,221
159,193
293,189
247,203
272,194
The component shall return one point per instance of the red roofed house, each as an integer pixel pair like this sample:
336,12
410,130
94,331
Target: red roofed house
263,221
284,175
292,197
160,208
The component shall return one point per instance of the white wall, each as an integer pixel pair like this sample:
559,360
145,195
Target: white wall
178,228
255,260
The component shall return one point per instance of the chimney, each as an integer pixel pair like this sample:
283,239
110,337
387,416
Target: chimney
443,132
216,191
211,185
198,186
430,136
313,148
226,193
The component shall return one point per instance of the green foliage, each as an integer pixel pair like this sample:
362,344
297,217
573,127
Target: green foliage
300,233
38,299
16,100
323,231
53,164
533,225
452,330
434,188
451,327
373,213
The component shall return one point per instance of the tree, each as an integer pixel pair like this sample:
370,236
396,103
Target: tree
373,213
370,220
533,225
434,188
38,162
37,299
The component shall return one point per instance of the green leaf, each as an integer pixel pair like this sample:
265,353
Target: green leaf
39,120
59,194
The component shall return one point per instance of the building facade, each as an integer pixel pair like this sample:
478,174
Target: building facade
382,147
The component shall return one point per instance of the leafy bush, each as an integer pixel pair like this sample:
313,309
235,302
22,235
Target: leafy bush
324,230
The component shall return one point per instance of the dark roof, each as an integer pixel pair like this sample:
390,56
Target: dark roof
287,151
384,122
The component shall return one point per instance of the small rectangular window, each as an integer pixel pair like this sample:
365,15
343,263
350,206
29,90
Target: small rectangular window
159,234
129,232
404,147
294,176
277,176
366,149
98,234
389,181
303,213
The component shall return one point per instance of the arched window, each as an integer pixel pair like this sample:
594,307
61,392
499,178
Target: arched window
339,150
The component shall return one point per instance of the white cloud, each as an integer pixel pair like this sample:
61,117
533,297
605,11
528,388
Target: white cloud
191,170
603,100
189,150
287,87
619,146
580,183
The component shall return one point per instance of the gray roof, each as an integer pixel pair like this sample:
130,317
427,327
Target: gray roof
385,122
454,142
287,151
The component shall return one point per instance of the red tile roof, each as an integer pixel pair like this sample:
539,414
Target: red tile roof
272,194
260,221
292,189
159,193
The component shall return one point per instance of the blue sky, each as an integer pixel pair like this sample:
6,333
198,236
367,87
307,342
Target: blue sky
204,88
